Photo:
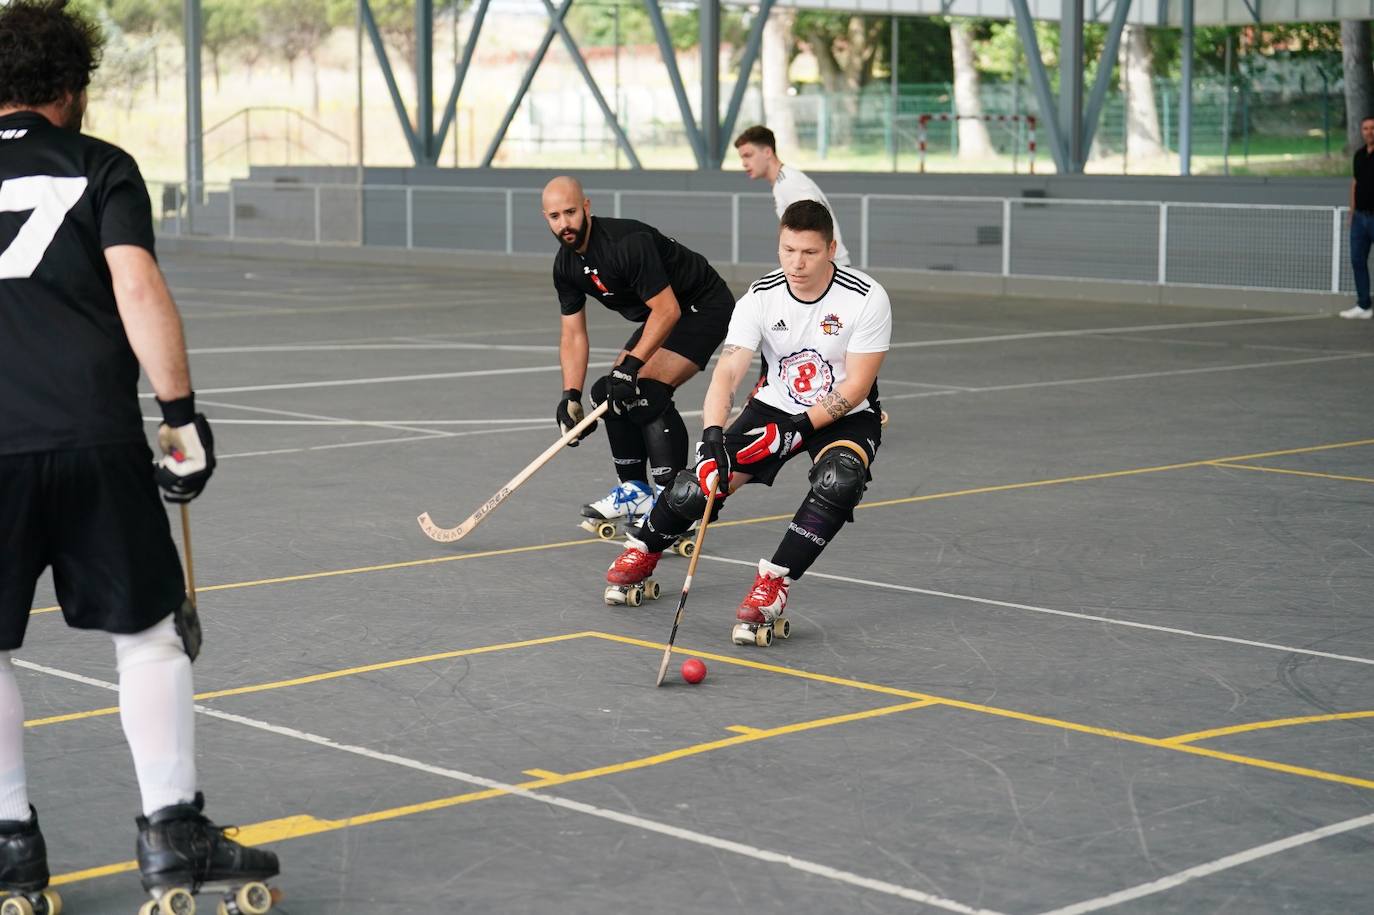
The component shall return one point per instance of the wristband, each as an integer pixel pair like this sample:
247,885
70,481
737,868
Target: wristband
179,412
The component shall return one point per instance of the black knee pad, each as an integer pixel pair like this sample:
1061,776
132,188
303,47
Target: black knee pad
684,497
654,398
839,477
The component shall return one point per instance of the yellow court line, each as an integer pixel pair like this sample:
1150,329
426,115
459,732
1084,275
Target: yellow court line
742,729
541,773
295,827
1264,726
1296,473
327,675
1006,487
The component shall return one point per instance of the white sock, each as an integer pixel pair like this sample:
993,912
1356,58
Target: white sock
14,792
156,709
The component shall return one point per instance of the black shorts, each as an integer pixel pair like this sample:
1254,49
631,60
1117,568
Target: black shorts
863,427
700,330
94,515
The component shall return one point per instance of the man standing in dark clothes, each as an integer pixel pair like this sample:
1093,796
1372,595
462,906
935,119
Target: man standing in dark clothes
683,308
1362,221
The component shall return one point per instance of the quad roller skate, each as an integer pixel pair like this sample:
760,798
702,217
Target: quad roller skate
760,614
182,854
623,506
627,580
24,870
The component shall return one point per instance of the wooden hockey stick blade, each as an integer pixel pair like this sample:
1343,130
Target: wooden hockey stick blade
687,585
451,534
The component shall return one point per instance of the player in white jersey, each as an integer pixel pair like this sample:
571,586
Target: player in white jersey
824,330
758,154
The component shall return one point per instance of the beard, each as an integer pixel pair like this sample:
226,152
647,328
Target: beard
579,234
74,112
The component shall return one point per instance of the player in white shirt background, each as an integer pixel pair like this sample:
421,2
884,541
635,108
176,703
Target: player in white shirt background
758,153
824,330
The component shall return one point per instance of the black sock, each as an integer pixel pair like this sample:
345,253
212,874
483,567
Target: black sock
627,448
813,526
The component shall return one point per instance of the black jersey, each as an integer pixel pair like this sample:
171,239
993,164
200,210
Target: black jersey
68,377
629,262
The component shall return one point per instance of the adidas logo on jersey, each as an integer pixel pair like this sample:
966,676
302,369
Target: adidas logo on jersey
781,325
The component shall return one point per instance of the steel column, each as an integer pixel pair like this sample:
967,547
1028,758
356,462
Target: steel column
1185,94
611,120
1025,29
195,125
1105,68
451,106
524,87
665,48
1071,82
746,67
424,80
383,61
710,79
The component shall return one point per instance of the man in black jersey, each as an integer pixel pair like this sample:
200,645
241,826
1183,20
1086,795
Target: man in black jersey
82,305
683,307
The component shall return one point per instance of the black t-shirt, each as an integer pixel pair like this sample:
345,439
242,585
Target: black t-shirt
68,377
1364,180
626,264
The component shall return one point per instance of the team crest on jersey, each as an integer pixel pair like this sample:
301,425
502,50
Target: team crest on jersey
831,325
596,280
807,375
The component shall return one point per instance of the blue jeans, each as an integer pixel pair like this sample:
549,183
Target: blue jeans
1361,238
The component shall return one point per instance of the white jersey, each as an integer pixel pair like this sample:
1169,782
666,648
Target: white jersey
792,185
805,343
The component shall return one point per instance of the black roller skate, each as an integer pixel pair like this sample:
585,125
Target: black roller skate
24,870
181,853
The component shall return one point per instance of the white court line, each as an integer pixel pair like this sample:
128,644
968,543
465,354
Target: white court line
363,347
1135,376
384,441
990,602
1093,331
553,800
388,379
317,417
387,424
1212,867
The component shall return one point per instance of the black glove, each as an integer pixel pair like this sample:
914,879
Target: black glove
776,439
622,385
713,461
570,413
188,450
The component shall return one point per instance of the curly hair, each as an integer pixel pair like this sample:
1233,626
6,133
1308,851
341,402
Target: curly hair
46,51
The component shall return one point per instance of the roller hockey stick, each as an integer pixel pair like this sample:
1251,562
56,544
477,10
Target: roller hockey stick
190,565
451,534
687,584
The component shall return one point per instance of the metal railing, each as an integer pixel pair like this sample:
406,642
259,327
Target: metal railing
1267,247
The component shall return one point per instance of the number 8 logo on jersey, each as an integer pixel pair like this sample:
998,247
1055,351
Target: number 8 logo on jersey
807,374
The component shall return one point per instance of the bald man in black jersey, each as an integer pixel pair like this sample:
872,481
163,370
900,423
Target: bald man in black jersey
683,307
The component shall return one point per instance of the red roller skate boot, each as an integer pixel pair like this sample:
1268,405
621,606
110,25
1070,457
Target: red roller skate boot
760,614
627,580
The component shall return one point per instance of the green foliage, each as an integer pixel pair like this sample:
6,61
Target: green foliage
923,50
593,24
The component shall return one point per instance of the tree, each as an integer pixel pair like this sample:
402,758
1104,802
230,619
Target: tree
973,134
777,55
1136,70
227,24
1359,78
845,48
295,28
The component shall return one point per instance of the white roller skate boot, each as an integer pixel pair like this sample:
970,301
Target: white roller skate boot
627,580
760,614
627,502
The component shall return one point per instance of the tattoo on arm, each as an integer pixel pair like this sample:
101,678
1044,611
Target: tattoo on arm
836,404
729,348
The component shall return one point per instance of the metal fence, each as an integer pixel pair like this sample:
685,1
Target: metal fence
1298,248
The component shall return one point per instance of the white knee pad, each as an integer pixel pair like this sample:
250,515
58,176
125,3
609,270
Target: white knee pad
156,643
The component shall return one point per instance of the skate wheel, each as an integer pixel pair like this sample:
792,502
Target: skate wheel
783,628
742,634
606,530
176,901
635,597
685,548
148,908
652,589
254,899
53,901
615,596
764,636
16,905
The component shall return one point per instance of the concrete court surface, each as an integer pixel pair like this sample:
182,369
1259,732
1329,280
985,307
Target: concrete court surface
1102,637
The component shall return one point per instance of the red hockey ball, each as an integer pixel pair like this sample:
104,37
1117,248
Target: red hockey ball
693,671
